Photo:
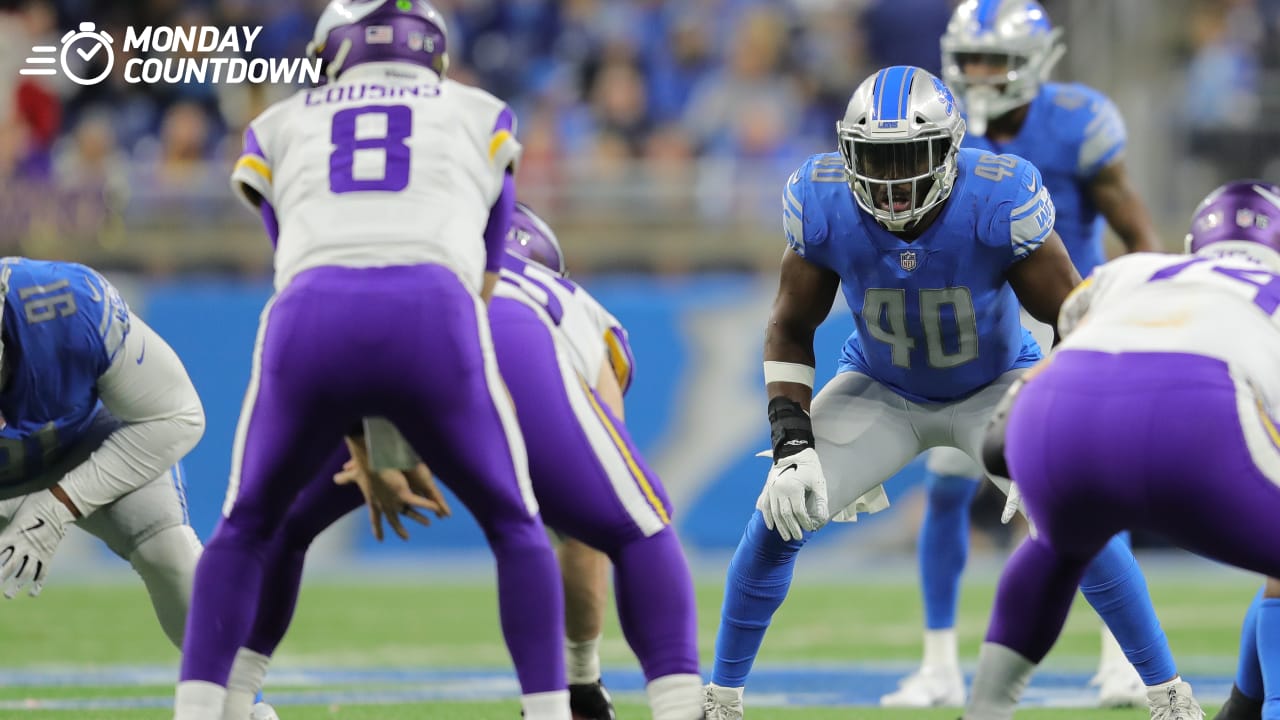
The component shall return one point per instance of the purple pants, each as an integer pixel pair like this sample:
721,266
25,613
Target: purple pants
409,344
591,484
1100,443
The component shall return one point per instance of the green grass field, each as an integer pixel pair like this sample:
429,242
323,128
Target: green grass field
73,631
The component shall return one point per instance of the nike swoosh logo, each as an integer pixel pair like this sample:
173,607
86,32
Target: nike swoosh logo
792,466
93,290
39,524
144,350
1031,186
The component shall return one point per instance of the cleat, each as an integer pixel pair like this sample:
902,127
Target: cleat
1239,707
1120,686
591,701
1174,702
928,687
263,711
722,703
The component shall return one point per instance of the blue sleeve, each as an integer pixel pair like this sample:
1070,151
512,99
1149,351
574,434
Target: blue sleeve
1022,213
1103,137
802,217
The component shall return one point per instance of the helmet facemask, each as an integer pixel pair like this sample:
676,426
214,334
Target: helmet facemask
993,76
898,182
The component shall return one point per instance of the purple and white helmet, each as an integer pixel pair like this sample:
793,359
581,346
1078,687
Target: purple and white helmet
532,239
1239,218
354,32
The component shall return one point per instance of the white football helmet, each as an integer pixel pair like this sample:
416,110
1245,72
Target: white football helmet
899,138
1014,40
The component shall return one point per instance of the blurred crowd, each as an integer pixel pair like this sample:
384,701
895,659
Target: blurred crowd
692,107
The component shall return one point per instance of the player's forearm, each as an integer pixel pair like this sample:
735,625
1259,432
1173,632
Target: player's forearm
495,231
789,363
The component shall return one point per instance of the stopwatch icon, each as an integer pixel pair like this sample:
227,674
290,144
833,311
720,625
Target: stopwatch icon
89,42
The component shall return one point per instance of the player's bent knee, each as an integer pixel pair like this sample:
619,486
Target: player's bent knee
166,562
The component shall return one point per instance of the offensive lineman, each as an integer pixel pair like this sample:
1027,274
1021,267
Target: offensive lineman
390,191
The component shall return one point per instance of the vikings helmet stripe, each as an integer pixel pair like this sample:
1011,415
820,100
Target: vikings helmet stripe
893,85
987,12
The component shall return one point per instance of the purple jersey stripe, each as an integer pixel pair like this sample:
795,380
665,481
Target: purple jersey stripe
251,144
269,221
506,121
495,232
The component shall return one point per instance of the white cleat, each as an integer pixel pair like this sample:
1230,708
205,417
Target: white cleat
1173,702
722,703
928,687
1119,686
263,711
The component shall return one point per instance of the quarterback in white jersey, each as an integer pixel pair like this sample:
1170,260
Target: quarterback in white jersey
1154,413
388,192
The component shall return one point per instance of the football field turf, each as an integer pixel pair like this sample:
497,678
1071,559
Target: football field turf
401,651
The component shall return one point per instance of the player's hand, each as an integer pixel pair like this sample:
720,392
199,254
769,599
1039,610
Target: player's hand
795,495
1012,503
389,495
28,544
423,483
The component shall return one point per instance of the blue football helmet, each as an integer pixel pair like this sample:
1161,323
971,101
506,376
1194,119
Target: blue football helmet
353,32
899,138
1016,45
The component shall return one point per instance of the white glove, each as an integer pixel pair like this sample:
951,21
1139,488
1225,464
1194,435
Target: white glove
795,495
1012,503
27,545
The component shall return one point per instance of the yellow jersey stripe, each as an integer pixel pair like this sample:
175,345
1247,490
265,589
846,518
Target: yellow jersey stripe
499,139
618,360
1269,424
636,472
256,164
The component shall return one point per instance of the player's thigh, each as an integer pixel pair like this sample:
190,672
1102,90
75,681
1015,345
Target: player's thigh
135,517
971,416
590,480
952,462
320,504
864,436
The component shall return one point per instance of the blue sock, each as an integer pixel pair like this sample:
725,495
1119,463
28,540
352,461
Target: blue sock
257,698
1269,655
1249,671
1113,584
944,546
758,578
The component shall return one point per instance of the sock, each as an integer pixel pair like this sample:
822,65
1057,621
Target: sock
1164,686
758,578
676,697
1113,584
582,660
1249,670
552,705
1001,677
940,649
944,546
245,684
222,611
198,700
1269,655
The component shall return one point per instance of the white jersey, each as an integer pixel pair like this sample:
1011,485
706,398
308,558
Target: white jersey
578,322
1218,307
389,165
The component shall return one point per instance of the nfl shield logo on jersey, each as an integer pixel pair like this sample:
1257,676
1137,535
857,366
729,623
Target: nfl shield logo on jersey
907,259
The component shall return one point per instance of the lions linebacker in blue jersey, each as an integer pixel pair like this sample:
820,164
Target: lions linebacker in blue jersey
97,412
996,56
935,247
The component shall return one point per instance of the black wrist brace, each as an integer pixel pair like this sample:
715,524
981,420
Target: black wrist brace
790,427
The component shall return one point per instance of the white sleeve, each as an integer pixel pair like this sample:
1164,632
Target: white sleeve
148,389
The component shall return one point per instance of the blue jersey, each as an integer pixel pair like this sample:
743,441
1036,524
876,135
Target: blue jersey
935,317
1070,133
63,325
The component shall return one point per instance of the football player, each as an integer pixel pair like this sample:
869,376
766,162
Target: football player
567,363
997,55
389,191
97,413
935,247
1157,407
